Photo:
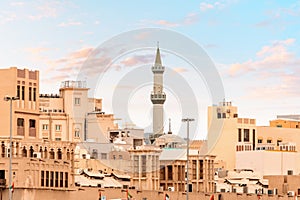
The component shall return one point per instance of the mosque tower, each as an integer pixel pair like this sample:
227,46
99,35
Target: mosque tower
158,97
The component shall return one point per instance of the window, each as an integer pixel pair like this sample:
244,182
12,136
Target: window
20,122
57,127
246,135
57,139
56,179
260,141
219,115
77,101
51,179
42,178
23,92
103,156
66,179
47,178
18,91
32,123
45,127
120,157
278,142
223,115
34,94
61,182
240,135
77,133
30,92
269,141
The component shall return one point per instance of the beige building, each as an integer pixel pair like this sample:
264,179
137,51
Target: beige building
35,162
145,167
225,131
173,171
72,116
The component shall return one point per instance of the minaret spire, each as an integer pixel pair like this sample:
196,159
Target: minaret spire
157,58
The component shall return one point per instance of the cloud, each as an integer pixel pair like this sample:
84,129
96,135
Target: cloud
180,69
7,16
209,6
47,9
71,23
17,3
271,58
166,23
190,18
137,59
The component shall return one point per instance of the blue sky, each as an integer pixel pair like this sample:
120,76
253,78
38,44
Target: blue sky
254,44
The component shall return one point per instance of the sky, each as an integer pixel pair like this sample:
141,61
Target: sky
254,46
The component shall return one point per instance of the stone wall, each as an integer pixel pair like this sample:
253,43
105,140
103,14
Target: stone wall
93,194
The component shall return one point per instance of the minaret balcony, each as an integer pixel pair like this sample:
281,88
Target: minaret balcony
158,98
158,69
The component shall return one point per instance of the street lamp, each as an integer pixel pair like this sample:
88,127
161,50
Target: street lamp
188,120
10,99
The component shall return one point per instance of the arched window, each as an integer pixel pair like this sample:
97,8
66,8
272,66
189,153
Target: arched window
68,154
59,154
24,152
31,152
46,153
51,154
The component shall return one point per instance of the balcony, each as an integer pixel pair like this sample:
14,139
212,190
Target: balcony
158,69
158,98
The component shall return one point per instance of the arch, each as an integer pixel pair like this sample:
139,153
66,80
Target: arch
59,154
46,153
24,152
31,152
51,154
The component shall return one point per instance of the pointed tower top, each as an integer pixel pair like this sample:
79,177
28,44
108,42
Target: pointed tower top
157,58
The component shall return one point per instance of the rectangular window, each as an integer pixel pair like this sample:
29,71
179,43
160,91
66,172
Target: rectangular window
42,178
240,135
20,122
51,179
57,139
223,115
56,179
45,127
66,179
23,92
120,157
260,141
219,115
47,178
61,181
246,135
30,93
34,94
104,156
32,123
253,139
77,101
77,133
57,127
18,91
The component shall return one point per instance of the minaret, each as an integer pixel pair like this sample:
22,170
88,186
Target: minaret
158,97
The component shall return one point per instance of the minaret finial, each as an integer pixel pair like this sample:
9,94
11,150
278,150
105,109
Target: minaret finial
157,58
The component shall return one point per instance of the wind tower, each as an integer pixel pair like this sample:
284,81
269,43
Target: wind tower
158,97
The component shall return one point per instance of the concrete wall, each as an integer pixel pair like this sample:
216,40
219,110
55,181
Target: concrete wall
93,194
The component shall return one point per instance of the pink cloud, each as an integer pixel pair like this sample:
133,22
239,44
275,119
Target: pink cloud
273,57
71,23
180,69
166,23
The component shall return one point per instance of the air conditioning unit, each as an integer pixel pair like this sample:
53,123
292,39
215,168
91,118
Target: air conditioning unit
37,155
291,193
171,189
